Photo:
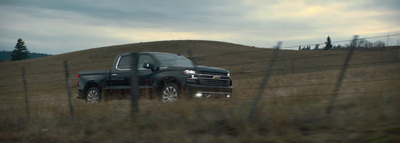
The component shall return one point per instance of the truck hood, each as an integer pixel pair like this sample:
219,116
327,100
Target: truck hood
199,68
212,69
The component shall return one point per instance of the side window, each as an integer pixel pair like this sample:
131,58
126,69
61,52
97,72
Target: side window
145,59
124,63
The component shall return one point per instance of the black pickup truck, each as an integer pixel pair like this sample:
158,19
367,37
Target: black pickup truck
167,76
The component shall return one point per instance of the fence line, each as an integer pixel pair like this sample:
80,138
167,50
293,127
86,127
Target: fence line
341,77
296,85
360,64
134,85
26,95
205,56
264,81
301,58
247,72
322,84
68,84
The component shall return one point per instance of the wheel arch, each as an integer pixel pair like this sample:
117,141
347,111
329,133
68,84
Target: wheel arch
166,80
91,84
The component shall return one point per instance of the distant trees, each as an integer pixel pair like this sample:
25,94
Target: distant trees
308,47
316,47
363,43
20,52
379,44
6,55
357,43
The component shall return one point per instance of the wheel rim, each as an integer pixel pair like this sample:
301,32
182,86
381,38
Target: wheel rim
170,94
92,96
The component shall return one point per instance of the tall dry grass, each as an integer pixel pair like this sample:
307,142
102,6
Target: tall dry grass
363,113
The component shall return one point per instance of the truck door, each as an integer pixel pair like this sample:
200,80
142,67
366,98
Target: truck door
144,73
120,74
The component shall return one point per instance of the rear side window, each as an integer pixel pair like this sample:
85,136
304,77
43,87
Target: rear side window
124,63
145,59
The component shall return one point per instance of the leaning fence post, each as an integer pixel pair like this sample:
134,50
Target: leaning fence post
265,80
341,76
26,94
68,83
134,85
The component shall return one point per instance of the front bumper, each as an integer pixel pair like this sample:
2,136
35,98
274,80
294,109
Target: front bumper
200,91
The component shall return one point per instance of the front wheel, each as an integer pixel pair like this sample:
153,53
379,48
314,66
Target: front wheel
93,95
170,93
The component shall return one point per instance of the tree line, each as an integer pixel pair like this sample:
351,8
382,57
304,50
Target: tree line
20,52
6,55
360,43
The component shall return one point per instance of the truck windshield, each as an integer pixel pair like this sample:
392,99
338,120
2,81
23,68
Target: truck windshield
174,60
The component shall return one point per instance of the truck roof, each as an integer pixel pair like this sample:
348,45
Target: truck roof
153,53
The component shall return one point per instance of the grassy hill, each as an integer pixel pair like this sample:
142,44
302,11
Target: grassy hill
292,108
236,58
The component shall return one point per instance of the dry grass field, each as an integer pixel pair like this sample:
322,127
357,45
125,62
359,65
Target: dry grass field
292,108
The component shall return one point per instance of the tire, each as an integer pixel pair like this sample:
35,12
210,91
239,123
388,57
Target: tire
93,95
170,93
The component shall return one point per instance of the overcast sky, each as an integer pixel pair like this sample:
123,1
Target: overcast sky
60,26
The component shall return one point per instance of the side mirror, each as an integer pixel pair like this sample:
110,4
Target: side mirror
149,66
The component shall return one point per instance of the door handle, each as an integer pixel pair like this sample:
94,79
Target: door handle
114,74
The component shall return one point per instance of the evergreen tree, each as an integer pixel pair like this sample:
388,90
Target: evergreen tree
328,43
20,52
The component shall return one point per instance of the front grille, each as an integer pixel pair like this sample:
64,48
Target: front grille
214,79
215,82
213,73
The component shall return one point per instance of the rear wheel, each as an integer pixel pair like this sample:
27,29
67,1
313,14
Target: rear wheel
93,95
170,93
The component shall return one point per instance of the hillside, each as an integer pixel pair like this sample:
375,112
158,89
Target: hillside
291,109
239,59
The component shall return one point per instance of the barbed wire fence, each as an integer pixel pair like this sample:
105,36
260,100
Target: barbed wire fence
341,76
56,84
264,80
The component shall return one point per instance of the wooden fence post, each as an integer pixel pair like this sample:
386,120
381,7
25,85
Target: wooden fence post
265,80
26,94
134,85
341,76
68,83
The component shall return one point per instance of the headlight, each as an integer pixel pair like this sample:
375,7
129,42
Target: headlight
229,74
189,72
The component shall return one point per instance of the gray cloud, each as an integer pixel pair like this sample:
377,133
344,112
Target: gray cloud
65,26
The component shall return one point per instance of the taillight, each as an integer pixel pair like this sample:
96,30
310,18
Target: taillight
79,75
